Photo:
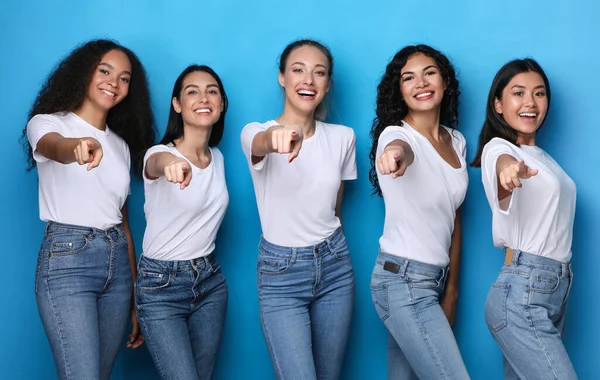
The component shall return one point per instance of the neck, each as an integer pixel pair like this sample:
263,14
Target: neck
426,123
194,142
305,121
525,139
92,115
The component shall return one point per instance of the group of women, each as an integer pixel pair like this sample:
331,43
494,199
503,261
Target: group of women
92,121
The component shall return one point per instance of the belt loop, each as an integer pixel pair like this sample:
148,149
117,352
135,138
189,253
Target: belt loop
47,228
516,255
565,269
294,254
174,267
403,268
207,264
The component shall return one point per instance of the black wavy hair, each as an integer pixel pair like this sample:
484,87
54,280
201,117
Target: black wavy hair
391,108
64,90
322,108
494,124
175,122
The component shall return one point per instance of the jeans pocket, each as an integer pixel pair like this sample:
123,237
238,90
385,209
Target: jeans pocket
269,265
495,307
152,279
379,293
542,281
422,280
68,244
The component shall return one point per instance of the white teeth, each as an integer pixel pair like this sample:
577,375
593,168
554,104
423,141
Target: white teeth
306,93
528,114
423,95
203,110
109,93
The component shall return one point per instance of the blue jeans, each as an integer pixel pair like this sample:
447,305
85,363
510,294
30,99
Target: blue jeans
421,344
306,297
181,306
83,291
525,312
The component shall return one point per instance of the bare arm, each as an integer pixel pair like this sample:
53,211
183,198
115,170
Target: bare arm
64,150
155,165
509,171
278,138
451,289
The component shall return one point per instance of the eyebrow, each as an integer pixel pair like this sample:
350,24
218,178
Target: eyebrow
425,69
112,68
304,64
196,86
521,86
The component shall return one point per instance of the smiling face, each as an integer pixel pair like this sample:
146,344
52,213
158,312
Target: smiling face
200,101
524,105
421,84
305,79
110,82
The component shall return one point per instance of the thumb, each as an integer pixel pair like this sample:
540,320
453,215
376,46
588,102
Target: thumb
530,172
295,151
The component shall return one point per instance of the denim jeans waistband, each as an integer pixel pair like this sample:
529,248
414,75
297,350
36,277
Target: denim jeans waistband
199,263
412,265
321,249
55,227
541,262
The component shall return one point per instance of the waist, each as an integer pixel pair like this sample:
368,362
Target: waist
516,257
55,228
199,263
402,265
320,249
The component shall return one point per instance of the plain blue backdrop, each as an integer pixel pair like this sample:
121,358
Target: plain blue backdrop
241,40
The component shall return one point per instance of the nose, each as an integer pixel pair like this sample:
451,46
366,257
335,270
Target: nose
530,100
308,78
422,81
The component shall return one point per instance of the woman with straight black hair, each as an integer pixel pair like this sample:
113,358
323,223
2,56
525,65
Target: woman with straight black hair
533,209
418,166
90,120
181,294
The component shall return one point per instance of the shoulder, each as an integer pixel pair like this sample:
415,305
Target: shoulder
255,125
340,131
216,152
498,143
160,148
55,119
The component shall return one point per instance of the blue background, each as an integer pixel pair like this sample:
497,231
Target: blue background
241,40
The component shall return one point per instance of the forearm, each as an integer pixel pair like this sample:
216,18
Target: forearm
155,166
503,161
454,254
57,148
130,244
261,144
409,155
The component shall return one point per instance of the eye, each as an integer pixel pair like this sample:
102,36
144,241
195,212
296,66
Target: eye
540,93
320,73
432,72
125,80
519,93
192,92
297,70
213,92
105,72
407,78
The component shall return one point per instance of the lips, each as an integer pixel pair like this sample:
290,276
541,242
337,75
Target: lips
108,93
529,116
202,111
306,94
425,95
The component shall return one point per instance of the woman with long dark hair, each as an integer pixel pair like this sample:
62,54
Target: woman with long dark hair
298,165
533,209
90,120
418,166
181,294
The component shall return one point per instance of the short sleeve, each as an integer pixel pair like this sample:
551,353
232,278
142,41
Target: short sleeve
38,127
150,152
248,133
349,163
392,133
489,157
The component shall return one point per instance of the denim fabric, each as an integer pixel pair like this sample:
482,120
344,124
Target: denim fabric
181,306
306,297
83,291
525,312
421,343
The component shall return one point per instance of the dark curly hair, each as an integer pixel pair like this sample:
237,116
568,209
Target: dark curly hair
65,88
494,124
391,108
175,124
322,108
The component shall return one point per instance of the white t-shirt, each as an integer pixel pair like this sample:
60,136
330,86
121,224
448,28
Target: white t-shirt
296,201
539,216
420,206
183,224
70,193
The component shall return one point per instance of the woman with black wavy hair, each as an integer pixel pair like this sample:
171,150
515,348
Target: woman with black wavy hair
181,293
533,210
418,166
91,118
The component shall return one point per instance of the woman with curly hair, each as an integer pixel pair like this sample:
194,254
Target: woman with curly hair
533,210
91,119
181,293
418,166
298,165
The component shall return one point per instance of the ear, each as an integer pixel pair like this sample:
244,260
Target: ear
498,105
176,105
280,78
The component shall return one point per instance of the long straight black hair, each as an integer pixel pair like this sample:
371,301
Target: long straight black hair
175,123
494,124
